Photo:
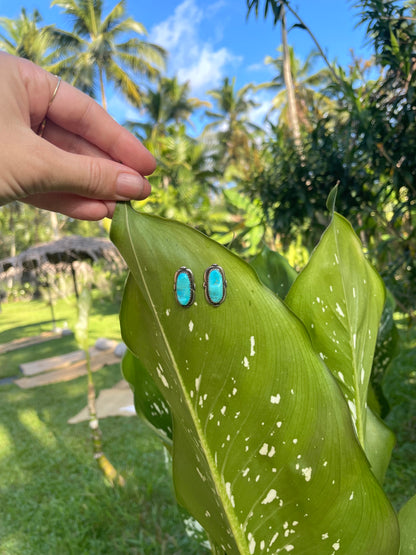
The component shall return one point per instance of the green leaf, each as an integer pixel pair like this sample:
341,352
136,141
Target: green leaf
340,297
379,443
387,347
264,451
274,271
407,520
148,401
332,199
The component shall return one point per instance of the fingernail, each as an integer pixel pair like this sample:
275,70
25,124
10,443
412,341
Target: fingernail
129,186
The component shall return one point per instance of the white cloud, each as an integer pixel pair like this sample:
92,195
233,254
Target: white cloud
192,58
207,69
178,28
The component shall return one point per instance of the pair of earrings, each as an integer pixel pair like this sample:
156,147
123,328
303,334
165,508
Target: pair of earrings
215,285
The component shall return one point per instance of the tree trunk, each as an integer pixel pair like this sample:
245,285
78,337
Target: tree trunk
290,89
103,98
55,226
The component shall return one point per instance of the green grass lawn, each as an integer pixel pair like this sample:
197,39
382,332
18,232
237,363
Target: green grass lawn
26,319
53,498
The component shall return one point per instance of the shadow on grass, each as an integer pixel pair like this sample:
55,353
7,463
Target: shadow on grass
54,499
28,330
10,362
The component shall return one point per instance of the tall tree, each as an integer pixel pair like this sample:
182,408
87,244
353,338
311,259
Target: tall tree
98,56
169,103
24,37
279,7
232,126
310,101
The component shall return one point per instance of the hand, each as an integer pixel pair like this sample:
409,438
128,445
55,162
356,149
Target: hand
84,161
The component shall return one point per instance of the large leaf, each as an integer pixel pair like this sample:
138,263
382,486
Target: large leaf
340,297
274,271
148,401
264,452
387,348
407,521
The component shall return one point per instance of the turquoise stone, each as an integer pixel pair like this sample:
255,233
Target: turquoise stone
215,284
184,287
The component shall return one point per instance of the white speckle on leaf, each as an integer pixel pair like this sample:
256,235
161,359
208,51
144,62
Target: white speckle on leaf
264,449
223,409
341,376
275,399
339,310
271,496
307,473
336,546
353,410
252,345
198,382
245,472
271,452
252,544
159,370
228,490
351,496
289,547
246,363
191,325
274,538
279,424
325,536
234,391
295,440
362,375
167,311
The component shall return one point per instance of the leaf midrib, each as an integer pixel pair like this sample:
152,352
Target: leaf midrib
237,534
356,386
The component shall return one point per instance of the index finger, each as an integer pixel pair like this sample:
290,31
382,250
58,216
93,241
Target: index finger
75,111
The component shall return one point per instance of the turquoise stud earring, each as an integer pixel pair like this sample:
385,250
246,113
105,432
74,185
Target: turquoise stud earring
184,286
215,285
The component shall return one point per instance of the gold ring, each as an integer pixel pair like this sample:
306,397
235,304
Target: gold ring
43,124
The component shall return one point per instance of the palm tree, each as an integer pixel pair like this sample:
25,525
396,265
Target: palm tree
169,103
96,54
231,124
308,99
24,37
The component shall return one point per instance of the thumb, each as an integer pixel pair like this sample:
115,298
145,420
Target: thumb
88,176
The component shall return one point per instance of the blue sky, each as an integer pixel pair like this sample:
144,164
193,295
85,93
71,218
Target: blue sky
210,40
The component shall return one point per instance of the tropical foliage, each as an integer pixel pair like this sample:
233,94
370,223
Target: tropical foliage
248,184
97,54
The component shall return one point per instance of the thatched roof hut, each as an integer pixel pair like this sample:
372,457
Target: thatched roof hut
63,251
60,255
